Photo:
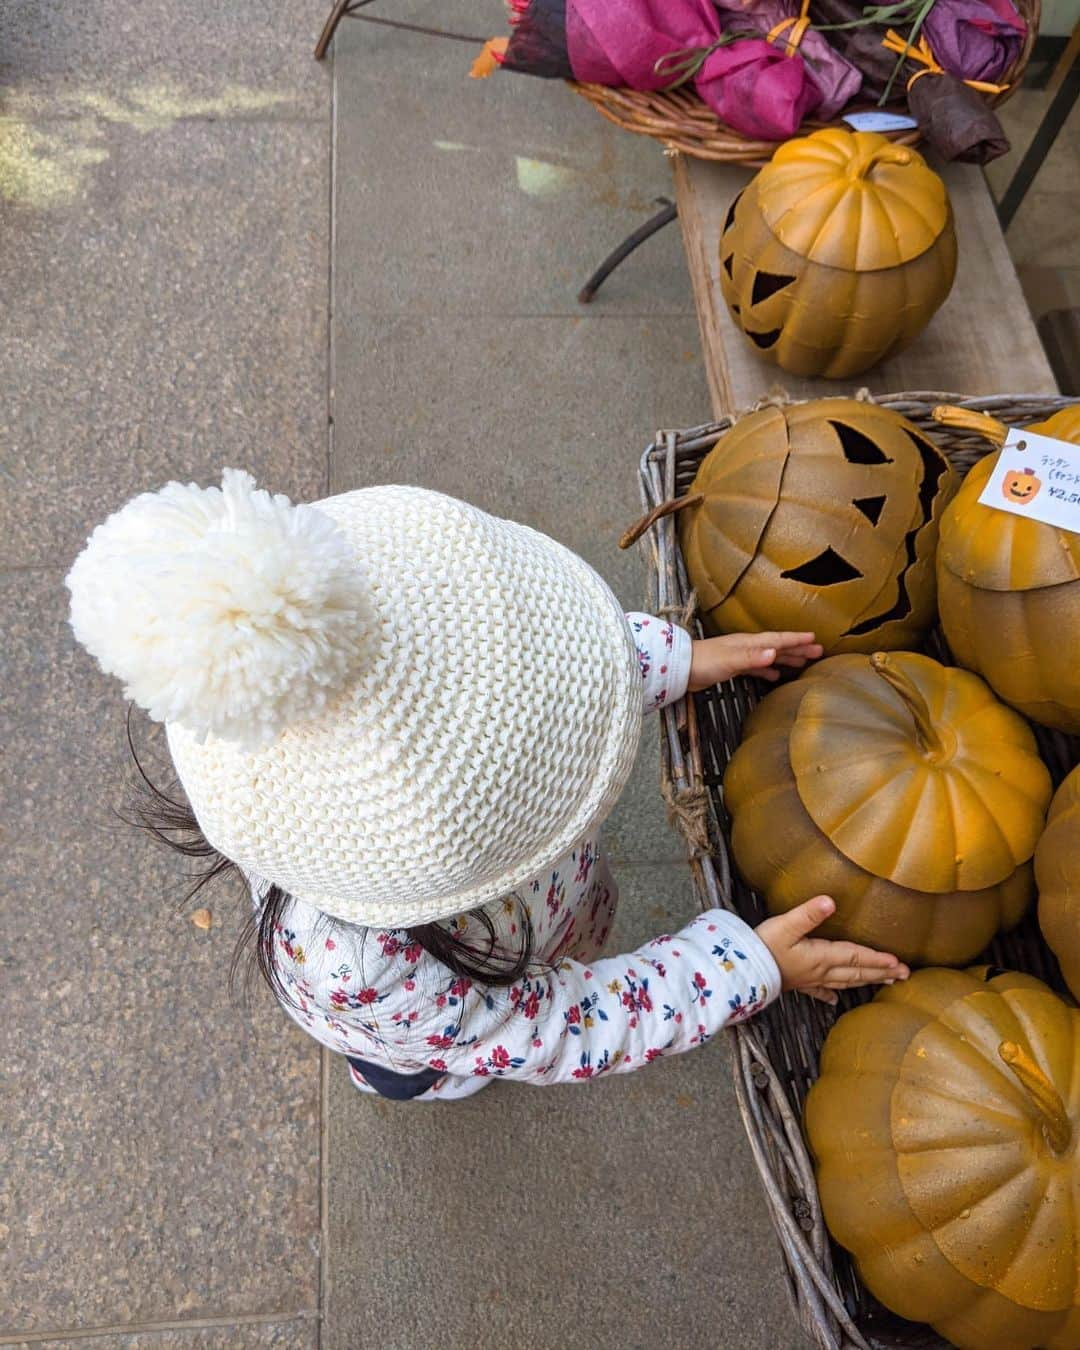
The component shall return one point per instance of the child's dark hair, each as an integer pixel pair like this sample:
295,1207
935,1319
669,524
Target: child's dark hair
172,822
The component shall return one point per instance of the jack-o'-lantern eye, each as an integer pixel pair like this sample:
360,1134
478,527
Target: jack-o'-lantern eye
766,284
829,568
857,448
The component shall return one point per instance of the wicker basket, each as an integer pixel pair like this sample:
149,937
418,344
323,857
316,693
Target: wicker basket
683,122
776,1055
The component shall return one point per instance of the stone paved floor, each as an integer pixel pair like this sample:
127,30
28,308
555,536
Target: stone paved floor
214,251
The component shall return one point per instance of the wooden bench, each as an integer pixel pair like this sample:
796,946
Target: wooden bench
982,340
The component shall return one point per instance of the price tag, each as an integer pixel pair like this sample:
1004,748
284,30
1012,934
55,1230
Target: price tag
880,121
1037,476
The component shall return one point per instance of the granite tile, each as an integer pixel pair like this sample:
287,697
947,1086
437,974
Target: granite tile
542,420
160,1151
165,315
198,59
300,1334
637,831
625,1212
497,196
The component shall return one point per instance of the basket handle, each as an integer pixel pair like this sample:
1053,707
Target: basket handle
668,508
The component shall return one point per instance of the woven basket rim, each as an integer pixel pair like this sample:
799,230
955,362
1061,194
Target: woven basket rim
683,122
775,1055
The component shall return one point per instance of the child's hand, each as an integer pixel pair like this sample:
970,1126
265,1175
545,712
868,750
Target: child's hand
714,660
816,966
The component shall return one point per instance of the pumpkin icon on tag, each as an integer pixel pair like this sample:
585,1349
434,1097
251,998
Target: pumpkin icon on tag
1020,486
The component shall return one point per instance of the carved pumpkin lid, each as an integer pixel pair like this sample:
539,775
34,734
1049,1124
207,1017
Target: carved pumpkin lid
953,1100
852,200
916,773
999,550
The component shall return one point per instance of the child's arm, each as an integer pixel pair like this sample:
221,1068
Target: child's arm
672,663
577,1021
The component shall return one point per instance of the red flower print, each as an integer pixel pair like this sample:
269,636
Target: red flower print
574,1015
330,944
584,1072
440,1042
461,987
532,1005
650,1055
366,996
500,1058
439,1064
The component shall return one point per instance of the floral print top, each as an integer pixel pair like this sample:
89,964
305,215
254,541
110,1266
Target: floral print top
575,1015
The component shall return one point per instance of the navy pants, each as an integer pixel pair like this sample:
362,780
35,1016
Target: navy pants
399,1087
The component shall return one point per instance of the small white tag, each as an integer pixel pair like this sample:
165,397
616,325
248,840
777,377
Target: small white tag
1036,476
880,121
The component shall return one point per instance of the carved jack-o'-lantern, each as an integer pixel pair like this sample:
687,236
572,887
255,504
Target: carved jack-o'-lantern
945,1125
1009,587
1057,875
838,253
898,786
818,516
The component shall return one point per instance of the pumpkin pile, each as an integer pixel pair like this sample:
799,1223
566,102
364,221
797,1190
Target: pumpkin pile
838,253
945,1126
900,787
1057,874
1009,588
818,516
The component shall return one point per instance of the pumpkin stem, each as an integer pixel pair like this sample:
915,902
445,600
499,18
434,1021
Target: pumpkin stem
865,160
1055,1119
926,734
668,508
965,419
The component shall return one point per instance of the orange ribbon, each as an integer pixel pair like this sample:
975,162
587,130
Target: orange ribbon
489,59
920,51
798,26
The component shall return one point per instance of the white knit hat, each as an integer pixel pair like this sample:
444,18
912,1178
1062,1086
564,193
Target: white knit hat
391,704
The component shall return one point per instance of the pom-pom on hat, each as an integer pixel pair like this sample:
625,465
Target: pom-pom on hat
391,704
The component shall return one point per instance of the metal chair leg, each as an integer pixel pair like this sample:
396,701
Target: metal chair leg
347,9
329,28
1061,105
631,242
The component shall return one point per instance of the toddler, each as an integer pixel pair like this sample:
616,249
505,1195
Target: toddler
402,721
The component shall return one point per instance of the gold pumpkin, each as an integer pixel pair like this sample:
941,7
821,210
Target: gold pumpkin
900,787
822,516
945,1125
1057,875
838,253
1009,588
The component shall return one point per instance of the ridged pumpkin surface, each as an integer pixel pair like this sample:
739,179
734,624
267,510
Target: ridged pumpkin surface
838,253
1057,875
945,1125
916,808
1009,596
821,516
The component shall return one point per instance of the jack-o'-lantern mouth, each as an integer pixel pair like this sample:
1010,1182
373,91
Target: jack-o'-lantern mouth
831,568
1020,494
934,468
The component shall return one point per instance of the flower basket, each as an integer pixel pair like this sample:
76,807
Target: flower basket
682,122
775,1056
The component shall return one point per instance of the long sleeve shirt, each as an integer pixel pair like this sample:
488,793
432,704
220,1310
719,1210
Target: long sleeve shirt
380,997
